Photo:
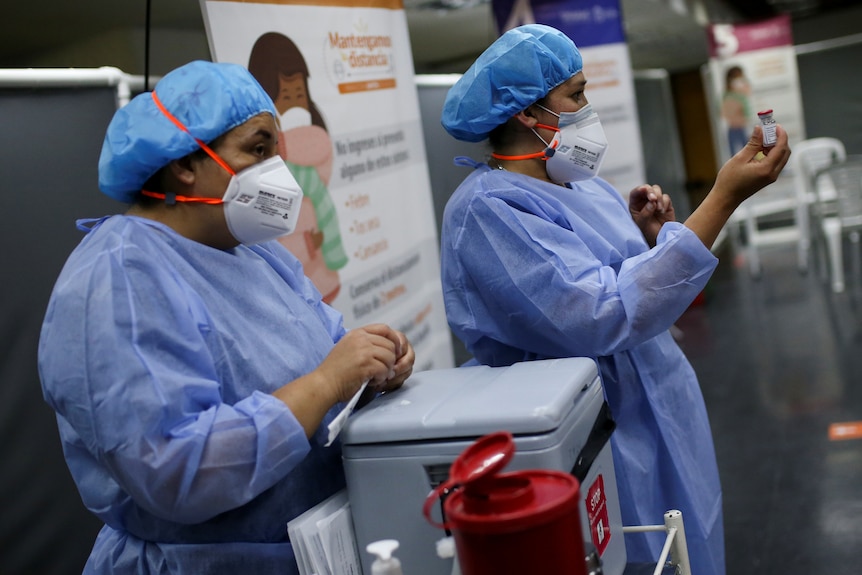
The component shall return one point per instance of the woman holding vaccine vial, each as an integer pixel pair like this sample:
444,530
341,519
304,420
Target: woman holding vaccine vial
542,258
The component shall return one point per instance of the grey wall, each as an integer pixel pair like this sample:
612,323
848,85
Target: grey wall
660,139
441,149
49,146
832,92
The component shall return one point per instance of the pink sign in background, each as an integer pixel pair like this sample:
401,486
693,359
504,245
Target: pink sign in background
726,40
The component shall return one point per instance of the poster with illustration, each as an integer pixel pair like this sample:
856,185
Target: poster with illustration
340,74
753,69
596,27
304,144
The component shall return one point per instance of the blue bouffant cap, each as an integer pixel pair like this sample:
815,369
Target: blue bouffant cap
519,68
207,98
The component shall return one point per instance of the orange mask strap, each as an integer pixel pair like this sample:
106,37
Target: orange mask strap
172,198
543,155
180,125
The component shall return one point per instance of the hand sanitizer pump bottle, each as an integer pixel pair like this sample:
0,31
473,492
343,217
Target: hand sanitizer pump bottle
385,564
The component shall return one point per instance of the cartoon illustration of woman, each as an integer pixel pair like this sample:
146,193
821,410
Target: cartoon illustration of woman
306,148
736,109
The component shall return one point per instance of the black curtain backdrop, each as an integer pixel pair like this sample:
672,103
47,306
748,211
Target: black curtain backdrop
49,148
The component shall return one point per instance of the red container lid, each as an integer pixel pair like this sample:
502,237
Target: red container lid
764,113
485,500
487,456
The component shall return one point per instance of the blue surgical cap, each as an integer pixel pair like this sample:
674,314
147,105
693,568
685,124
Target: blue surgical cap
519,68
207,98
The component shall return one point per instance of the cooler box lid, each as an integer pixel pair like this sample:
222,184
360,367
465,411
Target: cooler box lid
531,397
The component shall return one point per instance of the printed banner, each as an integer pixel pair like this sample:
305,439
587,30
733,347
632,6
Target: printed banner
341,76
753,68
596,28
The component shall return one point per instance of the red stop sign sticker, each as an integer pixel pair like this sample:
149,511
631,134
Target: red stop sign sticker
597,512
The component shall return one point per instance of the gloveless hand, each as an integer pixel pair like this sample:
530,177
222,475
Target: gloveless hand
650,209
752,168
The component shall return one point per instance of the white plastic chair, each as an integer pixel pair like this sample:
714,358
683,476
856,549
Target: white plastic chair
808,158
781,213
770,217
840,186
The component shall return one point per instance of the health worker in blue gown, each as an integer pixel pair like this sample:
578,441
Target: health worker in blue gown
541,258
193,368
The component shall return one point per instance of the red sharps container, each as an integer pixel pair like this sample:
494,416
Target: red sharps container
517,522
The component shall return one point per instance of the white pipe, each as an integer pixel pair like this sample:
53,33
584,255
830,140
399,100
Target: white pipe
37,77
643,528
431,80
675,544
679,550
831,44
124,93
668,542
73,77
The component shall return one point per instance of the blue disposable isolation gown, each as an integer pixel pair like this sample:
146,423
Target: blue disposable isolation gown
158,355
534,270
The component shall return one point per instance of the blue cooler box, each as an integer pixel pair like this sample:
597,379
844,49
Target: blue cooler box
399,448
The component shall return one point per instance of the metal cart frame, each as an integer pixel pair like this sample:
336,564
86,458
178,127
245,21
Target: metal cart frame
675,544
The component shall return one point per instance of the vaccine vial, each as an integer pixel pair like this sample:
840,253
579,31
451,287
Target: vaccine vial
769,125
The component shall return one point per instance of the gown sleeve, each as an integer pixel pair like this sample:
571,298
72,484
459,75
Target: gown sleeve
146,399
548,283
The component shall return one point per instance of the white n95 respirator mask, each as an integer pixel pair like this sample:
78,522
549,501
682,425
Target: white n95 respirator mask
262,202
578,148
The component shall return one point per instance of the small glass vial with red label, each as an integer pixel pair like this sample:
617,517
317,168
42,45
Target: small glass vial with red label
769,125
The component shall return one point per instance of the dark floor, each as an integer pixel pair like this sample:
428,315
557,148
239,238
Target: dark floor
780,360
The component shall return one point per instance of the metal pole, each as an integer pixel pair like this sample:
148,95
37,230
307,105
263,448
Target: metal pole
668,543
643,528
679,547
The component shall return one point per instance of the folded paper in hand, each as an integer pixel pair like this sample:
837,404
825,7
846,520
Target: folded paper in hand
341,419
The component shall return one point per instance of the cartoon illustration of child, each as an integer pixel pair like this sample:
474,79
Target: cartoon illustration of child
306,148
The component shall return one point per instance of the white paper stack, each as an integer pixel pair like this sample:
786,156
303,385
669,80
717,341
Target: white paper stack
323,539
